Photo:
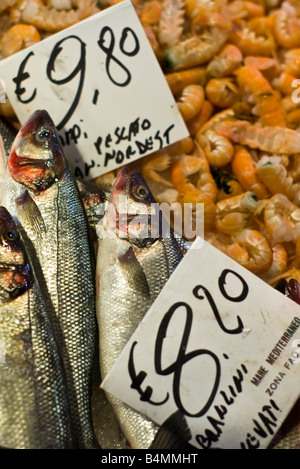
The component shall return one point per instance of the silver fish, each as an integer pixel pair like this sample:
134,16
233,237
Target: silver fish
43,197
33,401
133,265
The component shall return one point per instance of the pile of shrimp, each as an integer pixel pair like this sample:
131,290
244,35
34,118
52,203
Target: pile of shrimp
233,67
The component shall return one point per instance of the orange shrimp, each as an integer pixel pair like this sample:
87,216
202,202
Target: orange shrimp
223,116
191,101
222,92
245,9
243,167
152,39
271,139
288,275
229,58
297,251
177,81
193,165
293,119
236,213
217,149
185,145
293,167
274,175
160,160
284,83
291,62
260,93
152,165
267,65
251,250
150,13
254,37
195,124
195,50
171,22
208,13
248,248
227,185
53,20
286,27
18,37
6,4
278,264
281,218
198,197
287,104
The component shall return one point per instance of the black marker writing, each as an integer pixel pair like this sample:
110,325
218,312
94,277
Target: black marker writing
182,358
106,43
79,69
22,75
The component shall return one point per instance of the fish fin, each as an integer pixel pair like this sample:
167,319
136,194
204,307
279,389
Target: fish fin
134,272
27,208
173,434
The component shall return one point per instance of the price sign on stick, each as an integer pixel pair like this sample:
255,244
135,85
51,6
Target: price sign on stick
103,87
219,345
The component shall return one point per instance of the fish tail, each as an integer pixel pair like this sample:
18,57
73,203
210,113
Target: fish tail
173,434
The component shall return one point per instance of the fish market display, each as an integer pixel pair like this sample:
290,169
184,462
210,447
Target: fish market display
33,401
51,214
129,259
233,69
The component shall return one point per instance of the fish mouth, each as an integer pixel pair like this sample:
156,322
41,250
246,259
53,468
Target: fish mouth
34,162
15,280
8,267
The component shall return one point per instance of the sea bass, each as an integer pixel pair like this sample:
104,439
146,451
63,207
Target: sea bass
134,262
34,411
43,196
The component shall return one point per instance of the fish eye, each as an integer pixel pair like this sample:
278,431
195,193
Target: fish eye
11,236
42,134
140,192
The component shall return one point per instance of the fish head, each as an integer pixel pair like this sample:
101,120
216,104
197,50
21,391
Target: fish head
133,213
15,273
36,158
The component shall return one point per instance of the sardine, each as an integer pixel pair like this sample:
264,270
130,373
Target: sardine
44,198
34,411
135,259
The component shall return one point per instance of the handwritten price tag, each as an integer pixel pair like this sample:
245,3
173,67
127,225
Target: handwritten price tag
221,346
103,87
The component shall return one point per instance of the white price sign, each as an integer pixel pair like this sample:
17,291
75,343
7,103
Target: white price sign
221,346
103,87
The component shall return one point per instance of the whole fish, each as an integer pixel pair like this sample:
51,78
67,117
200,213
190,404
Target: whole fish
34,411
135,259
43,196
